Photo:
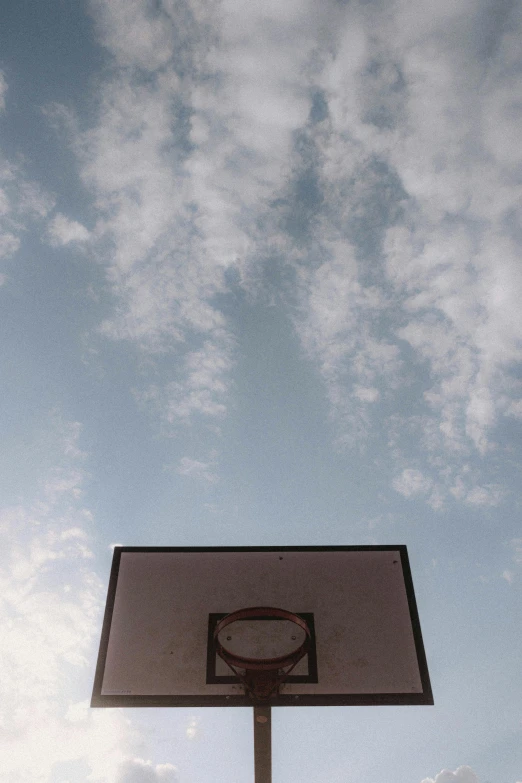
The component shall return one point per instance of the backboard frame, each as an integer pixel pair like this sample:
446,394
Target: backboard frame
425,697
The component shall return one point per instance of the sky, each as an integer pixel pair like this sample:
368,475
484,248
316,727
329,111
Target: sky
260,284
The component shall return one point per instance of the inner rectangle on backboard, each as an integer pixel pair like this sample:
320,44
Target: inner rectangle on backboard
218,672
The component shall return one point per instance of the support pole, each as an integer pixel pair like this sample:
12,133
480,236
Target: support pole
263,744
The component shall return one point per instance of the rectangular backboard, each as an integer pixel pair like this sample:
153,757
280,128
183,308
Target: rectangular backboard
163,603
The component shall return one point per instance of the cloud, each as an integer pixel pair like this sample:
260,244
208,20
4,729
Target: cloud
50,608
9,244
50,613
62,231
205,383
164,278
140,771
511,574
192,730
461,775
485,496
516,545
414,234
371,172
135,35
467,489
338,334
196,469
452,259
22,201
203,386
411,482
3,90
182,162
367,393
45,628
32,200
514,408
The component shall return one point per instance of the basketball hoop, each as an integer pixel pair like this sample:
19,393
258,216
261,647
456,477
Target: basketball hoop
262,677
153,650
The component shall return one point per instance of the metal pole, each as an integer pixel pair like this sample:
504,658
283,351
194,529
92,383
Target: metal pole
263,744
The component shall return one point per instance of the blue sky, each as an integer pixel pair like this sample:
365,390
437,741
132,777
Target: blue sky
260,284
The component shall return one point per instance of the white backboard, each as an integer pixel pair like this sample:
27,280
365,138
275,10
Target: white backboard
163,603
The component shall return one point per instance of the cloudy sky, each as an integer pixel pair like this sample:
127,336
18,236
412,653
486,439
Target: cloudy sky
260,284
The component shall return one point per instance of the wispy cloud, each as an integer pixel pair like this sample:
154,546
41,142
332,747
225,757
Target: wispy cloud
22,201
50,610
516,545
411,482
3,91
50,607
181,164
62,231
193,730
413,234
137,770
510,574
229,134
461,775
196,469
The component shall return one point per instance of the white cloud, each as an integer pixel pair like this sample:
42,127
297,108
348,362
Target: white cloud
367,393
404,270
422,109
203,386
411,482
510,574
44,629
163,277
337,333
9,244
4,203
3,90
197,469
62,231
461,278
50,614
21,201
490,495
33,201
192,730
461,775
135,36
137,770
465,487
37,740
516,545
178,210
514,408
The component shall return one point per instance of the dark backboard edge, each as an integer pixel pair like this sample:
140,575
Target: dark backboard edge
97,700
316,700
283,700
416,627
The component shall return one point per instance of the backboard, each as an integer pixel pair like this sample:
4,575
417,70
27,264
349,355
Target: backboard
157,646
